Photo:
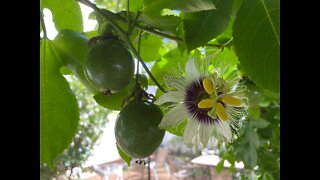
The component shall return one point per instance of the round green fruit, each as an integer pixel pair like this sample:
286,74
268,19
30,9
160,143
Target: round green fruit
136,130
109,66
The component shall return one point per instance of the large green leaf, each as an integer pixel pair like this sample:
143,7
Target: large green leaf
166,23
256,33
149,47
66,14
250,156
179,129
59,113
155,6
201,27
220,165
134,5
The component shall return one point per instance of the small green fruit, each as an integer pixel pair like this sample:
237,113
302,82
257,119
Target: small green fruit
136,130
109,66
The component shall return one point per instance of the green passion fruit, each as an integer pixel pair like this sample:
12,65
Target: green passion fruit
109,66
136,129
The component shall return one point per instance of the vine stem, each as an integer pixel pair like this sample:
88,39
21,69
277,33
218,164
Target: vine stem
43,25
146,29
124,37
139,41
149,173
128,19
155,32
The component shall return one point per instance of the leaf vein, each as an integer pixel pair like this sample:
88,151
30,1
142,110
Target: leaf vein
270,21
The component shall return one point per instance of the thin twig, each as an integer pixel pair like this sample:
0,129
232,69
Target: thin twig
128,19
134,22
149,178
43,25
137,73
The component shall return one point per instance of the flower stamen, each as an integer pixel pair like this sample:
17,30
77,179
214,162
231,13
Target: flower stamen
208,86
206,103
231,101
221,112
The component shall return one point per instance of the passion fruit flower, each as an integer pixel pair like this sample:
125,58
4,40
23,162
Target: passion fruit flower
213,106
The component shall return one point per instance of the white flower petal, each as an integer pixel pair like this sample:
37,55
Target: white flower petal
192,73
175,82
224,129
205,131
174,116
190,131
171,96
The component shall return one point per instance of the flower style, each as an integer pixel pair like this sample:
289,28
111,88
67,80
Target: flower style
214,107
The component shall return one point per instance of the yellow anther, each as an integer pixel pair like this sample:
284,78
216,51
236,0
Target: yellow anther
208,86
221,112
206,103
231,101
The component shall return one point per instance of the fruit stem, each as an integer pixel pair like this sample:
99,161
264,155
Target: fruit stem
145,67
125,37
149,178
43,25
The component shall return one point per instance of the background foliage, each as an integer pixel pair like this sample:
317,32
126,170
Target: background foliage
244,33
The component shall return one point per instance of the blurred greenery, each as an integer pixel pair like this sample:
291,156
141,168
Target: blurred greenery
92,121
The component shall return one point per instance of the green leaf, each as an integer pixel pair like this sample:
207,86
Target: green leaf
253,138
265,133
40,28
179,129
260,123
115,100
155,6
220,165
230,157
65,71
254,112
59,113
134,5
74,45
66,14
275,138
201,27
168,63
254,93
227,58
91,34
149,47
158,93
250,156
267,176
143,80
256,33
164,23
124,156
